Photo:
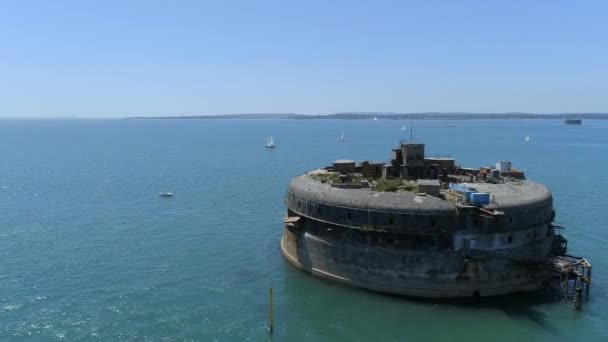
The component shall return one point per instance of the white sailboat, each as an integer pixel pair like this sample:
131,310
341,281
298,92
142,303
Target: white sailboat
342,137
527,138
270,142
403,128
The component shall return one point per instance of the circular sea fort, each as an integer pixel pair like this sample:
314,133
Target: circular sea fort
424,227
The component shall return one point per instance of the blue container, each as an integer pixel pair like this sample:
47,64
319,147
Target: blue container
457,187
467,195
480,198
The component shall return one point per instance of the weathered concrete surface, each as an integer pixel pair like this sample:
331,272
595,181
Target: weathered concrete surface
520,194
407,244
431,275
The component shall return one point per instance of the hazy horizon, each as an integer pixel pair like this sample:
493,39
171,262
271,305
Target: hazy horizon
177,116
115,59
76,117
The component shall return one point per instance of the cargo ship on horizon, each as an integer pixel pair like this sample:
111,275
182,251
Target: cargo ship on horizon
572,121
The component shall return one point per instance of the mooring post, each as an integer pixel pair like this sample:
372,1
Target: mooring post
588,282
271,323
578,294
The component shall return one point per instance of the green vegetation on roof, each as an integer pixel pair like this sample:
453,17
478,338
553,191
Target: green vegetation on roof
387,185
329,177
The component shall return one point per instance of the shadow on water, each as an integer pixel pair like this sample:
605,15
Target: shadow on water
517,305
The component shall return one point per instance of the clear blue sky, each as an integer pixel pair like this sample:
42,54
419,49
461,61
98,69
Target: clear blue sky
120,58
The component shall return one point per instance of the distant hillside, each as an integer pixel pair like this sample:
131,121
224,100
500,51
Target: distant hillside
392,116
225,116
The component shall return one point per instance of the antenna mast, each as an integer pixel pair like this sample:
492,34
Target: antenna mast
411,130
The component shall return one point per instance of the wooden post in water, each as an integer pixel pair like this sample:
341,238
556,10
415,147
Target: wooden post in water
578,294
271,322
588,282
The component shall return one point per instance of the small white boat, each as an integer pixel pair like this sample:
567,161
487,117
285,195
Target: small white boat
342,137
165,194
403,128
527,138
270,142
375,118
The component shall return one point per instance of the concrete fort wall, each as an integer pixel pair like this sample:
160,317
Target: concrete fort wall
330,208
358,218
406,272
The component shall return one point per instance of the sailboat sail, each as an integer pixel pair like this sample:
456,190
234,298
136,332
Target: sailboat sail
342,136
270,142
403,128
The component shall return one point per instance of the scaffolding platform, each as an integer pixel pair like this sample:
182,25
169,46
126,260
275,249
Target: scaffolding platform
571,275
574,276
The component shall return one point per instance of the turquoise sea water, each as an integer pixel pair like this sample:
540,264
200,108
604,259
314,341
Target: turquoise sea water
88,251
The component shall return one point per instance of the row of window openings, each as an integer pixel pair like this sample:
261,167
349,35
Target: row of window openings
391,221
510,238
433,223
349,216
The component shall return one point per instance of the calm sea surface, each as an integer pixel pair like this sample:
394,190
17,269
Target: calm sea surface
88,251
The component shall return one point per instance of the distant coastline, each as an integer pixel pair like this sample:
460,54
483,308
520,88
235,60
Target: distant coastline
389,116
